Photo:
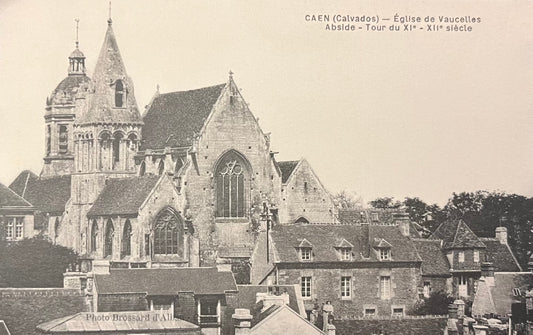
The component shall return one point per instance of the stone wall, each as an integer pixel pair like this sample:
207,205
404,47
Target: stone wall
304,196
326,285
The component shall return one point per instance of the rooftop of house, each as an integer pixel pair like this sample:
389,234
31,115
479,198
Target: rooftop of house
23,309
48,194
500,255
496,295
325,241
434,263
8,198
457,234
282,320
174,119
123,196
125,322
166,281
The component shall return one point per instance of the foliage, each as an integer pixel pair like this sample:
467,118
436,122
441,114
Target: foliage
385,203
347,200
436,304
34,262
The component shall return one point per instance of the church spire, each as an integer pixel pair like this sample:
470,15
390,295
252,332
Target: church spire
76,58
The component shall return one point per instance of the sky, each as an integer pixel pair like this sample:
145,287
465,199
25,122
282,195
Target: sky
377,113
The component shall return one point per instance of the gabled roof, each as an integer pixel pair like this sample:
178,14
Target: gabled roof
286,168
325,238
8,198
123,196
381,243
498,298
434,262
344,244
500,255
116,321
166,281
47,194
21,182
457,234
278,320
175,119
305,244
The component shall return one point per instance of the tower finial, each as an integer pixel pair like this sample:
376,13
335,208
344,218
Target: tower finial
109,20
77,29
230,74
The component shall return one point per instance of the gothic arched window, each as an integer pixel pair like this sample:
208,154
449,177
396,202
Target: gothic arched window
94,236
105,149
168,233
108,238
119,93
126,240
231,178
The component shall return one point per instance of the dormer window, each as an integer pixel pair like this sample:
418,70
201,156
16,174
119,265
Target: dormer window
119,93
344,250
346,254
384,254
305,254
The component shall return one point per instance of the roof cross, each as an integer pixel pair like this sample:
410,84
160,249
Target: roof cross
109,21
77,30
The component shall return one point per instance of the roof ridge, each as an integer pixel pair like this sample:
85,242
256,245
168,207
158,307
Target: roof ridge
192,90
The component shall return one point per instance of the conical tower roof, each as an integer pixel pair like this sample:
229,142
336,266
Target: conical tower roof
112,98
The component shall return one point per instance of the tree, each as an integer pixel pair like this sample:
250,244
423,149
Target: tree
34,262
385,203
347,200
436,304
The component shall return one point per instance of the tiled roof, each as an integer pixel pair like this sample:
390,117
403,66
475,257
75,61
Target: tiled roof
166,281
137,321
123,196
8,198
20,183
23,309
434,263
400,326
48,194
457,234
325,238
174,119
287,167
500,255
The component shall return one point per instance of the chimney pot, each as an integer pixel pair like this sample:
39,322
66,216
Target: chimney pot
452,311
242,320
487,269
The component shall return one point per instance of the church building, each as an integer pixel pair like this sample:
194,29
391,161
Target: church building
191,176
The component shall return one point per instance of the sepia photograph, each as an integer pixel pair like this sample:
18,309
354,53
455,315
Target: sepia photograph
250,168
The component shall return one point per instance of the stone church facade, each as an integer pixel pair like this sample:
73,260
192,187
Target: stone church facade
194,174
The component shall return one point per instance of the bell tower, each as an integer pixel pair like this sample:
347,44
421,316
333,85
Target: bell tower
60,113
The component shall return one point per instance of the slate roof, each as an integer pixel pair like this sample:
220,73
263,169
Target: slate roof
174,119
499,298
399,326
49,194
324,239
166,281
116,321
286,168
66,90
434,262
3,328
457,234
123,196
500,255
23,309
19,184
8,198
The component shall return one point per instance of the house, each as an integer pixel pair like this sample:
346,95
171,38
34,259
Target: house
364,270
196,295
465,252
16,216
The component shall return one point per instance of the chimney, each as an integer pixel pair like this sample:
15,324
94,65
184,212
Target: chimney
452,311
451,324
501,234
242,319
460,308
487,271
403,222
